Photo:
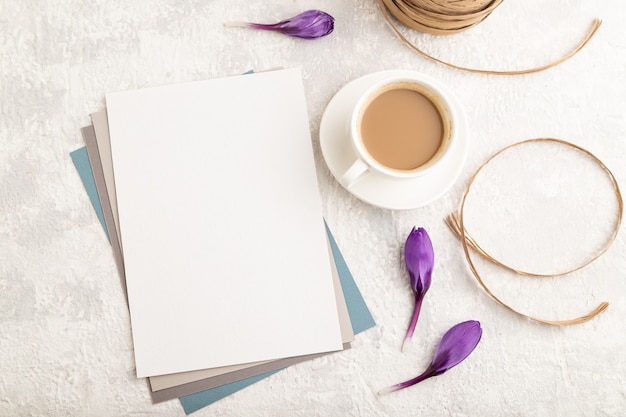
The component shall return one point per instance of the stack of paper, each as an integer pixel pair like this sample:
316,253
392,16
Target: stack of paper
230,272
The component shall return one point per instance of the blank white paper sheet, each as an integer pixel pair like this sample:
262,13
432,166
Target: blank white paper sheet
224,245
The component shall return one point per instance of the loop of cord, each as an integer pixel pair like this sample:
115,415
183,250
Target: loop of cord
456,223
445,17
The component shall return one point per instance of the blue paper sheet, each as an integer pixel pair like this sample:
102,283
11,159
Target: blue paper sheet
82,164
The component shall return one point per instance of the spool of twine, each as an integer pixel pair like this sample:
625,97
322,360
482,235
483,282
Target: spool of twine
446,17
441,17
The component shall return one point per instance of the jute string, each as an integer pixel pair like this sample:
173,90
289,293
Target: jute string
456,223
445,17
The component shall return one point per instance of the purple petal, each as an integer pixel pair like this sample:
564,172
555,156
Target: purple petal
456,345
419,257
307,25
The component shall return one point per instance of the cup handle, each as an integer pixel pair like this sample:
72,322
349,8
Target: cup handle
357,170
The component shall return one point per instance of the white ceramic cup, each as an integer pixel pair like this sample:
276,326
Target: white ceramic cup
365,163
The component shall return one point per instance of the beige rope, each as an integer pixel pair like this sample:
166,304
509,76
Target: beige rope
456,223
445,17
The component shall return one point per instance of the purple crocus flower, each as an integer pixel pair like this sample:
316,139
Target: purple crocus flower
419,257
455,346
311,24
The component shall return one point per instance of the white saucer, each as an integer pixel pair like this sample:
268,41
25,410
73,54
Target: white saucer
375,188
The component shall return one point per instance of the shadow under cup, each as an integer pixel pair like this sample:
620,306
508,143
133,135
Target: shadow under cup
403,128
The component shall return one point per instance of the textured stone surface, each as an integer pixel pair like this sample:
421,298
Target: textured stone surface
65,342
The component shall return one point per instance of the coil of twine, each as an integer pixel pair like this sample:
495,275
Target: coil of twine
446,17
441,17
456,223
